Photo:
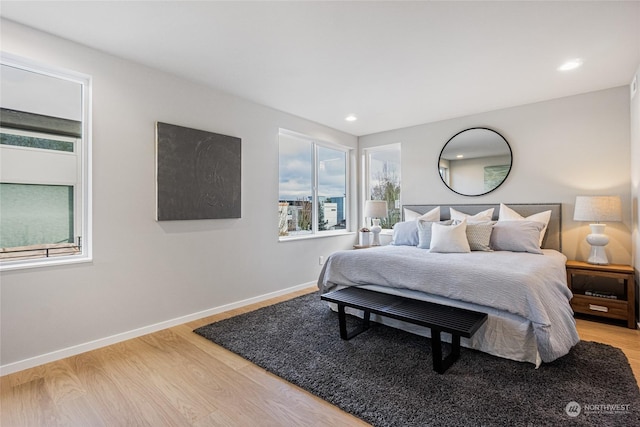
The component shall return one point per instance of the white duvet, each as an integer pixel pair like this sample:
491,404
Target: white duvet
528,285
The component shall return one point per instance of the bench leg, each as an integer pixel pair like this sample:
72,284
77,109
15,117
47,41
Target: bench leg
342,317
440,365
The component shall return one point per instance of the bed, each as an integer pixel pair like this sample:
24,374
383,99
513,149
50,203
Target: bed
521,285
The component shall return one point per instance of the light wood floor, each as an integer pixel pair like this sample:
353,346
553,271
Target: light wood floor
177,378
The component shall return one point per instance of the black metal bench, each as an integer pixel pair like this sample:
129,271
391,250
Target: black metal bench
439,318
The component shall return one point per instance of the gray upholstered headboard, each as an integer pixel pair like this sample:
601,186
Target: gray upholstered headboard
553,236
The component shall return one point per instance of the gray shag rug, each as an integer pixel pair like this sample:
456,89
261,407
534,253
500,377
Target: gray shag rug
384,376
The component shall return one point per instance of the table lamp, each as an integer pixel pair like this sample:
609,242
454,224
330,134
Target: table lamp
375,209
596,209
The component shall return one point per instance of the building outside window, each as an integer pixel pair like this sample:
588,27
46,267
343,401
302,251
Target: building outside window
382,180
313,192
44,165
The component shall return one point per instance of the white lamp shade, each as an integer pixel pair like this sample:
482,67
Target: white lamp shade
375,209
598,208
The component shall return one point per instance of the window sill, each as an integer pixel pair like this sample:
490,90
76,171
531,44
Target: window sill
43,262
316,236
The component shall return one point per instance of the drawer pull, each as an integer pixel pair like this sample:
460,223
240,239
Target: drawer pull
601,308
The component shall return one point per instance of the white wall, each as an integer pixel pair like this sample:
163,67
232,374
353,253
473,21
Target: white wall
562,148
635,176
145,272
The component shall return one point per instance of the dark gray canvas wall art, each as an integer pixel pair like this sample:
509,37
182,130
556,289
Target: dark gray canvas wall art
198,174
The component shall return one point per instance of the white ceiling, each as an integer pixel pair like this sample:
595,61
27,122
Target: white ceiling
393,64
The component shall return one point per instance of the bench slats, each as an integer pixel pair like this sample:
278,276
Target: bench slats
431,315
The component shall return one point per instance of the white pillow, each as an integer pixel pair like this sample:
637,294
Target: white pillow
432,215
483,216
424,232
449,238
516,236
508,214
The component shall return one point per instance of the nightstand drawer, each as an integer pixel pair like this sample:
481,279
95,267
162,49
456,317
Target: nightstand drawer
604,307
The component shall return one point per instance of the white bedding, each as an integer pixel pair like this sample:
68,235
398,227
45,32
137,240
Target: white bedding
525,294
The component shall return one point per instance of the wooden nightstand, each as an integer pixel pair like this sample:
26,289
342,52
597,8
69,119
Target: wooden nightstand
603,290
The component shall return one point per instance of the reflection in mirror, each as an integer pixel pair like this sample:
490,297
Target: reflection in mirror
475,161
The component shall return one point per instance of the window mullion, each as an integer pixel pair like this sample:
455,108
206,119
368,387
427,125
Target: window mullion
314,189
367,184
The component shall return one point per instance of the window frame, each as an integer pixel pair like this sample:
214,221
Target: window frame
83,195
366,179
315,145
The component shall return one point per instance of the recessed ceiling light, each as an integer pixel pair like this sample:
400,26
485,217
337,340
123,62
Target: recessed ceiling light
351,118
459,156
570,65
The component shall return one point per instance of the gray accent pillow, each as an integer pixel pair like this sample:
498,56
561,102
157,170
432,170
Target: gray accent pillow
424,232
479,235
405,233
517,236
508,214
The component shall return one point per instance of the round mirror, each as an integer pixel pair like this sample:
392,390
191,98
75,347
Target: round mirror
475,161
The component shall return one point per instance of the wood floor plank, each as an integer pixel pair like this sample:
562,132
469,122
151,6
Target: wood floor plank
120,393
79,412
63,384
177,378
188,380
28,404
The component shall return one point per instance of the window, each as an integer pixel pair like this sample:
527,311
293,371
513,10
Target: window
382,180
44,166
313,195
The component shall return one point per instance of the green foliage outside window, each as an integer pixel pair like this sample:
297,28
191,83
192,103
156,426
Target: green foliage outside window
386,186
32,142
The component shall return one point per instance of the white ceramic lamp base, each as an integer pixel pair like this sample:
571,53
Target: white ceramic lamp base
598,240
375,230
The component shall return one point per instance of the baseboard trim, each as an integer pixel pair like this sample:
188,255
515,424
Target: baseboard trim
32,362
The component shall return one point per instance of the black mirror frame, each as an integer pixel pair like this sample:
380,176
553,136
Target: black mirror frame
494,188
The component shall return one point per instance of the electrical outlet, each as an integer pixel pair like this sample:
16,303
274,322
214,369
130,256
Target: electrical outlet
321,260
